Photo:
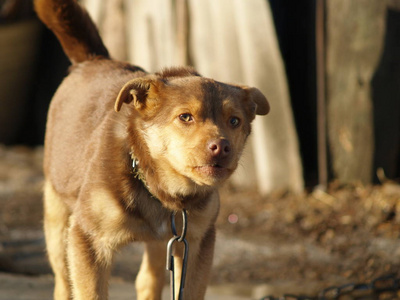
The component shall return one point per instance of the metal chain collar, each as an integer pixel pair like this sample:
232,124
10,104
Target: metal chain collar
170,257
384,287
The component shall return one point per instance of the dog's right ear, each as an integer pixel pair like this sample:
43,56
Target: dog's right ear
138,91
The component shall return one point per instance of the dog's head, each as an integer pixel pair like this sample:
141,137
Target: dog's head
195,128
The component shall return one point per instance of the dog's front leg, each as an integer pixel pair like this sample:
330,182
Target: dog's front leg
151,277
89,265
200,258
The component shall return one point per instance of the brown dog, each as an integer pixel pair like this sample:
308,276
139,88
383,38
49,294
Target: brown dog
187,133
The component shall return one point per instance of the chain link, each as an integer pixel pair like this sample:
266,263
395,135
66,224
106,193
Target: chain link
386,287
170,257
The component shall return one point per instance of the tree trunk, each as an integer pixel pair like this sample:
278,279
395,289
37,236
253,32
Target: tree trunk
354,37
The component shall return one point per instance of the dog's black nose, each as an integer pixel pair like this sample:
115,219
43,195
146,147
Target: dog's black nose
219,147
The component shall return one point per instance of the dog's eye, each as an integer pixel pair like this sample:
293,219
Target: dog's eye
234,121
186,117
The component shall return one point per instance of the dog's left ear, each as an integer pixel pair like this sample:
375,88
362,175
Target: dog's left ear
138,91
260,102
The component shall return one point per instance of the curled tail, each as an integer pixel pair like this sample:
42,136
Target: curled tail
73,27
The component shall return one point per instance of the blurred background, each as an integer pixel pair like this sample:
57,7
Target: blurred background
331,72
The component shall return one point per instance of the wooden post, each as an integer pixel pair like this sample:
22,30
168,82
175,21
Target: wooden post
321,106
354,38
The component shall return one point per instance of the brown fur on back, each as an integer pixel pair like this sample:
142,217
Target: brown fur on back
90,106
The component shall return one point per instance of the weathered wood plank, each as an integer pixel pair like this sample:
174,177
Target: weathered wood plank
354,37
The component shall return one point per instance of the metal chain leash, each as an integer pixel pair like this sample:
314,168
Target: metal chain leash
170,257
382,288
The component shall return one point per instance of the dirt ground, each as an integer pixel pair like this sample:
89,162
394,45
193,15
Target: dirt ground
277,244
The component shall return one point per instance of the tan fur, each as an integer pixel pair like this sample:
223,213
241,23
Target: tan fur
55,228
186,131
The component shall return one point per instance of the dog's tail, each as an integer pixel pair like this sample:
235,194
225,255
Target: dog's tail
73,27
